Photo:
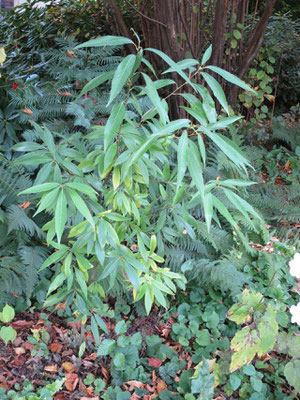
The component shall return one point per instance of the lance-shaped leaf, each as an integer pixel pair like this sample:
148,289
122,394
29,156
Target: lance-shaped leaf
122,74
231,78
206,55
44,187
195,167
81,206
106,41
83,188
105,76
60,216
217,90
113,123
182,157
154,97
165,131
228,147
175,67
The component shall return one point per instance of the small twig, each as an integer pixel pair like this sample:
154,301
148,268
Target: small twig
145,16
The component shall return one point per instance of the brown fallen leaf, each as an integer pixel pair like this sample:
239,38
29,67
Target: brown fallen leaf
71,381
161,386
136,384
18,325
55,347
27,111
69,367
25,205
19,350
51,368
18,361
70,53
154,362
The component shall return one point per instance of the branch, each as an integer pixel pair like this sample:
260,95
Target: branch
145,16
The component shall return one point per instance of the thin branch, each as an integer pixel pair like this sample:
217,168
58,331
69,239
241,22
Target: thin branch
186,32
145,16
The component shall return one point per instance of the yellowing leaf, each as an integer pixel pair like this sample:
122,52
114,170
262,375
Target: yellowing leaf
2,55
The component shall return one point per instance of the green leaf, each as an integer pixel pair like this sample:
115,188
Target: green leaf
155,99
184,64
101,323
106,347
95,330
217,90
105,76
206,55
148,300
228,147
81,281
195,167
47,200
7,333
113,123
119,360
120,327
7,314
235,381
123,72
172,64
132,276
106,41
81,349
231,78
182,157
57,282
27,146
203,338
81,206
83,188
54,258
83,262
237,34
159,297
268,330
33,159
44,187
241,204
291,372
60,216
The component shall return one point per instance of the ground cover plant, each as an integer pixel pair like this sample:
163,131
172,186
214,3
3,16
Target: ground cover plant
146,238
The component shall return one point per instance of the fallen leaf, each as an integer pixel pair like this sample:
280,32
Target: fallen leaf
70,53
18,361
136,384
27,111
19,350
105,373
89,398
154,362
134,396
25,205
161,386
51,368
71,381
18,325
69,367
55,347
